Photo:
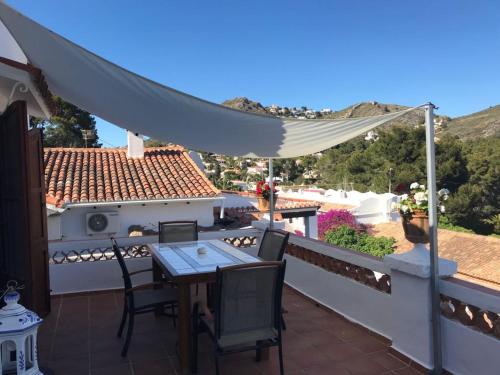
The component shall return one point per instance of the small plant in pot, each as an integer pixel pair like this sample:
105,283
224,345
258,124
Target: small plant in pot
414,211
263,192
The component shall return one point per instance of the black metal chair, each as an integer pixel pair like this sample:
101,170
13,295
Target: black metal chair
247,313
141,298
177,231
272,247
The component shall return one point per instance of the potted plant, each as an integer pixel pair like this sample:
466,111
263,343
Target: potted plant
263,192
414,210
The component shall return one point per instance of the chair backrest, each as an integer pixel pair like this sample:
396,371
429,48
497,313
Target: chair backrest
273,245
126,277
177,231
248,298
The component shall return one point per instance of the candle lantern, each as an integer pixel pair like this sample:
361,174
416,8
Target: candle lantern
18,333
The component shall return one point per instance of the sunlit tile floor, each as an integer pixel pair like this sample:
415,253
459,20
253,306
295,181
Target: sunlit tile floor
79,337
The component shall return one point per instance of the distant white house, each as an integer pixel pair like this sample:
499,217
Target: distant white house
254,171
310,174
100,192
371,136
326,110
274,108
310,114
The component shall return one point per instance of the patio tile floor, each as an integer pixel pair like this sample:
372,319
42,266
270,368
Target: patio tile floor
79,338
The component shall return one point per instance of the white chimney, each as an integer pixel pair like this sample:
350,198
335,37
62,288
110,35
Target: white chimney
135,142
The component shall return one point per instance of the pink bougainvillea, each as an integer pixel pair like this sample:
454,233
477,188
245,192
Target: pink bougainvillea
299,233
333,219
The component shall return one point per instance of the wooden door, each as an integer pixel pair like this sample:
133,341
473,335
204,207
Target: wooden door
23,230
37,218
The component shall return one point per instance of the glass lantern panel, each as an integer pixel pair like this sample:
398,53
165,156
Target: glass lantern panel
8,357
29,350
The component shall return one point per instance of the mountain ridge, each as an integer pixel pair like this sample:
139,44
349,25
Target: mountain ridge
481,124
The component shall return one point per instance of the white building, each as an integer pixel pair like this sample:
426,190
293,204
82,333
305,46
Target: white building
290,215
371,136
274,108
98,192
367,208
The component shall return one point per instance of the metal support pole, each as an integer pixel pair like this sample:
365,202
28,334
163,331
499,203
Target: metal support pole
221,214
433,243
307,227
271,197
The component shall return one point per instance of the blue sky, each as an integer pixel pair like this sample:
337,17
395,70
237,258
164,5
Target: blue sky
293,53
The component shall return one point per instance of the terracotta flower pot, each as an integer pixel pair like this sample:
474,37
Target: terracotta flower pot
416,227
264,204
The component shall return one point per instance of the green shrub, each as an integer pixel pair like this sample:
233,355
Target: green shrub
445,223
345,236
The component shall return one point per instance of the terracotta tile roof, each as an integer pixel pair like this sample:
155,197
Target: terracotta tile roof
325,207
77,175
478,257
281,203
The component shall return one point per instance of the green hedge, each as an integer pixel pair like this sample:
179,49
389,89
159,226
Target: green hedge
347,237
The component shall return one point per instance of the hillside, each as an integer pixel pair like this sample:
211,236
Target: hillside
357,110
484,123
480,124
374,108
245,104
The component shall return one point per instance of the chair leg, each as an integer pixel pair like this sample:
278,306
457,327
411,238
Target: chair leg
172,309
283,325
216,362
258,353
130,329
280,353
124,318
194,339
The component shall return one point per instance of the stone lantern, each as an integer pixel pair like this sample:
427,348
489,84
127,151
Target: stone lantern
18,331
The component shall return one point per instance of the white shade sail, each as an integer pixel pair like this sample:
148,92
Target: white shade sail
141,105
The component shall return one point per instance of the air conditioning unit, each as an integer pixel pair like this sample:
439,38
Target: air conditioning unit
102,223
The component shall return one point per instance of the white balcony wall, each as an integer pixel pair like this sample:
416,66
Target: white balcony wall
368,208
402,316
467,350
359,303
106,274
72,222
94,276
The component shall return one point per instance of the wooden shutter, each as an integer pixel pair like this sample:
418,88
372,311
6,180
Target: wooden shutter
37,214
23,229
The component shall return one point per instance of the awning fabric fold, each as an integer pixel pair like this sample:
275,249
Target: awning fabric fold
141,105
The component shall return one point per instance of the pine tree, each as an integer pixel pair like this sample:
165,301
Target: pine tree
65,128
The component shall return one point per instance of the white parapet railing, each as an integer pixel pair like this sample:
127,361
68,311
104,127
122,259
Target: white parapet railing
346,255
471,327
90,265
354,284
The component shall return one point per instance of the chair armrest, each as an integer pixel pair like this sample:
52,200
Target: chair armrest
144,286
140,271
